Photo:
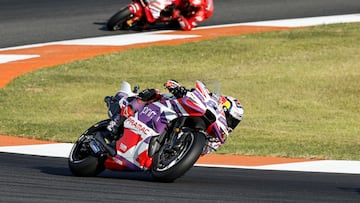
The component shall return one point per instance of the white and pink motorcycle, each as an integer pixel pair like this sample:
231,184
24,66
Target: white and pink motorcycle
165,137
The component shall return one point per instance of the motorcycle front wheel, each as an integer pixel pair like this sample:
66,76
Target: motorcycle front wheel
118,20
169,163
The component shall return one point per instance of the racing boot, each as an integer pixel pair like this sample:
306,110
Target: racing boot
115,127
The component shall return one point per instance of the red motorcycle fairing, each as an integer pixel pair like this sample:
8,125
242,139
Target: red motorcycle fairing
124,144
191,107
136,9
151,9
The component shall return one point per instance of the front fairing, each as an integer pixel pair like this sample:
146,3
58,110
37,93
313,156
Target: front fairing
201,101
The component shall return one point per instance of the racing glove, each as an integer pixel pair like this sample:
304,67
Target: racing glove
175,88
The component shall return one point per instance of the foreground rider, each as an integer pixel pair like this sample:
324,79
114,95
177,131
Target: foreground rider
127,107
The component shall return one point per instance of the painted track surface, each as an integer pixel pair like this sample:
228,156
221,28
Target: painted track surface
33,173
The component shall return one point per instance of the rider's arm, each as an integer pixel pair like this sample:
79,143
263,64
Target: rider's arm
175,88
193,20
185,24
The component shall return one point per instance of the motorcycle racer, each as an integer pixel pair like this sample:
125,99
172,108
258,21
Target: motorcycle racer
123,107
128,106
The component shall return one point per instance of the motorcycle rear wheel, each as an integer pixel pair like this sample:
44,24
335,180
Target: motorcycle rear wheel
82,161
168,166
118,20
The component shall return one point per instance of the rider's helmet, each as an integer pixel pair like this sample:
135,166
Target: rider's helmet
233,111
195,3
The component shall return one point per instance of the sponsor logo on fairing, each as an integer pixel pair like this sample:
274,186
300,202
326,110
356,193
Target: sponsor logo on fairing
148,112
137,125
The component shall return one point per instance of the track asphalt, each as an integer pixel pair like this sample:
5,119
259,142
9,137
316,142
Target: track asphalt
15,61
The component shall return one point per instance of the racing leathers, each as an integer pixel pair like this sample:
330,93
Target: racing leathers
120,109
190,13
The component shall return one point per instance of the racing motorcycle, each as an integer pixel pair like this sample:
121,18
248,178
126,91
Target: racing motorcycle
165,137
142,13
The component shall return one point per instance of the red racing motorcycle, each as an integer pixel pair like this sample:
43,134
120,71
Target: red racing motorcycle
164,138
142,13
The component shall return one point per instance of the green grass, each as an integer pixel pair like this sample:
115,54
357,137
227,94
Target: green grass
300,90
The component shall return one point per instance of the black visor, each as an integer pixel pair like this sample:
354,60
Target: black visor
232,122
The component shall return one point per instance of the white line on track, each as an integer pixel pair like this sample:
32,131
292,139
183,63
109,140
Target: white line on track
50,150
114,40
321,166
6,58
311,21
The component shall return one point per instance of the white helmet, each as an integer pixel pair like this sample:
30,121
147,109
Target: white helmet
233,111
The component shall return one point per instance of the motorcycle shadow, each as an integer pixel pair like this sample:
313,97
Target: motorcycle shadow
152,27
57,171
127,175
